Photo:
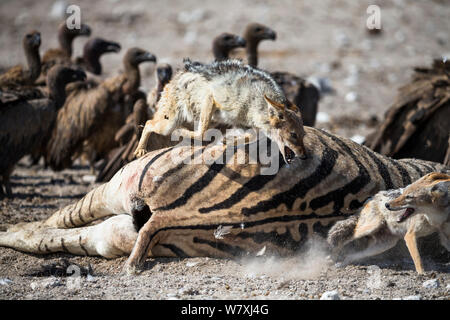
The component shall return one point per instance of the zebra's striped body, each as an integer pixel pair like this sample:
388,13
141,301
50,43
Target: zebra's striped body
179,207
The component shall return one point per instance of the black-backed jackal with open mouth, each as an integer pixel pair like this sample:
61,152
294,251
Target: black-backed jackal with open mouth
228,93
420,209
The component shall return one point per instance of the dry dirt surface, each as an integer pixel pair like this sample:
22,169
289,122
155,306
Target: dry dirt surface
321,39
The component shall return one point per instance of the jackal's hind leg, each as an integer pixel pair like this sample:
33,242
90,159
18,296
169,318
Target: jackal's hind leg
110,239
444,235
206,113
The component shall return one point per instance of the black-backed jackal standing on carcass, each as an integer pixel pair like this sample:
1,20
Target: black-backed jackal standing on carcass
227,92
425,209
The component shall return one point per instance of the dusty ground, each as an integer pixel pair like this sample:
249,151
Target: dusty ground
320,39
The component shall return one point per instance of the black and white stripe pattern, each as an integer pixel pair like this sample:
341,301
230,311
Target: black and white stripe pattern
180,206
278,211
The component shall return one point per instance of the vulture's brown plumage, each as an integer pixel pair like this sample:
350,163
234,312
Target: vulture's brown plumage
447,156
19,75
297,90
63,54
90,118
25,124
90,61
128,136
417,125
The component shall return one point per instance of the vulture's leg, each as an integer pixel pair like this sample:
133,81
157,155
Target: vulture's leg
92,158
7,185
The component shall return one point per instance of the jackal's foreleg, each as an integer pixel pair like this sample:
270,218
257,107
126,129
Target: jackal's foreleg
444,235
411,243
161,126
110,239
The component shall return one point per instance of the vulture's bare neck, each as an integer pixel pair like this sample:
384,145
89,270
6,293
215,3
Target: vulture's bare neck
133,78
160,87
252,52
92,62
65,43
34,63
220,53
57,92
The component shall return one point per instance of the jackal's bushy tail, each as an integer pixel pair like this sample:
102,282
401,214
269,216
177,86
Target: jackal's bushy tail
342,231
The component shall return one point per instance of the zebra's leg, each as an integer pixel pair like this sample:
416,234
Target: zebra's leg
155,231
110,239
111,198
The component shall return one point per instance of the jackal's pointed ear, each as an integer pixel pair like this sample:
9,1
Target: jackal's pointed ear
440,194
293,107
276,105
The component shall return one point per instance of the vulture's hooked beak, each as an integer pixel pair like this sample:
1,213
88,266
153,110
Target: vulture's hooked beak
79,75
113,47
36,39
85,30
240,42
147,57
164,75
270,34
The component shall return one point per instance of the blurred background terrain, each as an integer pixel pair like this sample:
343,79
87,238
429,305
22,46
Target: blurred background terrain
322,39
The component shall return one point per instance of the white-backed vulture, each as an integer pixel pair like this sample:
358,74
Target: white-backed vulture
129,134
19,75
417,125
63,54
90,118
224,43
297,90
92,51
25,124
163,75
90,61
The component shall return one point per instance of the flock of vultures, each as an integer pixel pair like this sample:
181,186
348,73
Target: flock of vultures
59,108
